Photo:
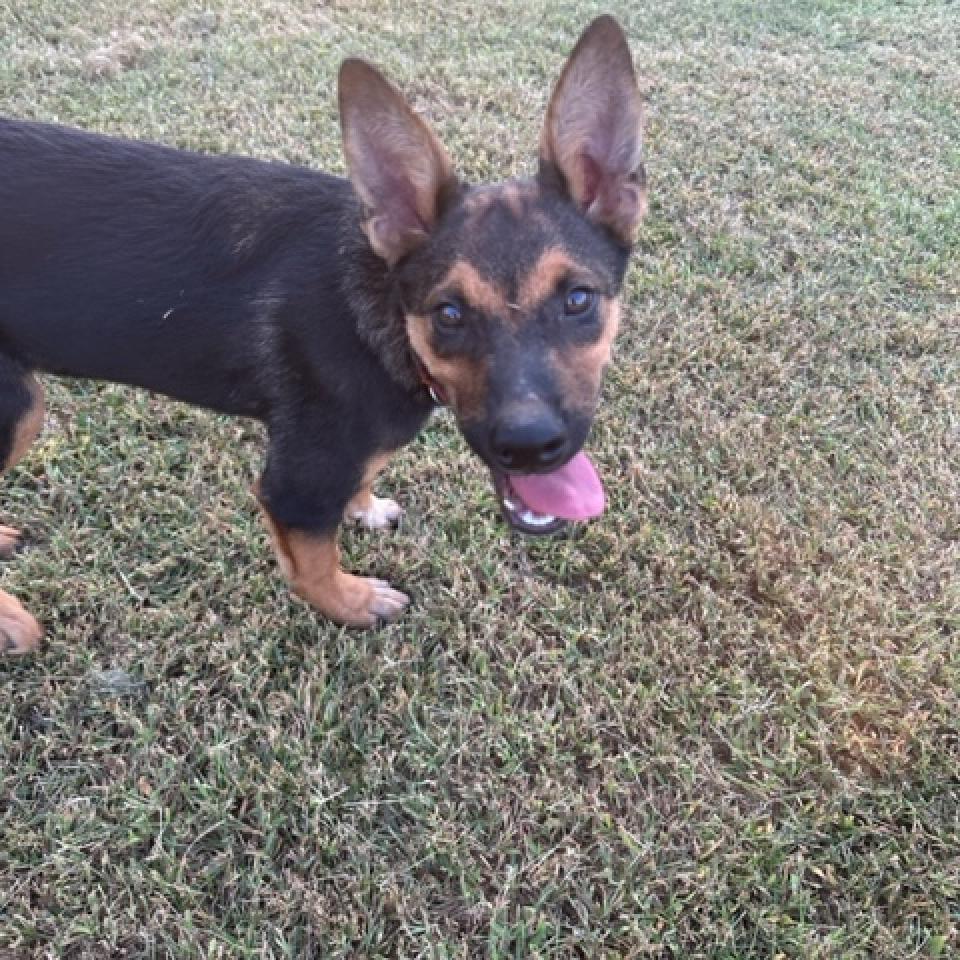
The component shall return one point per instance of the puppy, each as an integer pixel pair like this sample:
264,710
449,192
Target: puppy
339,312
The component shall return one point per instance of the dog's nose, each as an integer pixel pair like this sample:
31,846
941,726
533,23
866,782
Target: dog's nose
529,444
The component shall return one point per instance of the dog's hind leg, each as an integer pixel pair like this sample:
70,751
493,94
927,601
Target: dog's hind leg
21,417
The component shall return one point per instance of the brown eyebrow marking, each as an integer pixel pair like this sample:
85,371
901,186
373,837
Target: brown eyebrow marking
545,275
476,290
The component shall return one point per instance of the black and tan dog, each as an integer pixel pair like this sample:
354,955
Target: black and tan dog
338,312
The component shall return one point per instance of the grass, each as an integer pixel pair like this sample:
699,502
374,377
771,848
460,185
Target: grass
721,722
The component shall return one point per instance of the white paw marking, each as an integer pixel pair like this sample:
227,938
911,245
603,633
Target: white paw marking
382,512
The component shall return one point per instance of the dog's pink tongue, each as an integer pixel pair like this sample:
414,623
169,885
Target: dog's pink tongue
573,492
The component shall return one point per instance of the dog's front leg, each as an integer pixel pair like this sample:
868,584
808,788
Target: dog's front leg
304,493
311,563
369,510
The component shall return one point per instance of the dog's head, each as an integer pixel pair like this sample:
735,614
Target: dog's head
510,291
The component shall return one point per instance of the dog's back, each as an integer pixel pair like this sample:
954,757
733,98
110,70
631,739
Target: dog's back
141,264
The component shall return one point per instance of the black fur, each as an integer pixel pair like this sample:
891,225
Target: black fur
238,285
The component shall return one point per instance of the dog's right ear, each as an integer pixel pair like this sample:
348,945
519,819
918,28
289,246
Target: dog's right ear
397,166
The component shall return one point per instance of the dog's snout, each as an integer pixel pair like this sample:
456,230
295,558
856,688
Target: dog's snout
529,444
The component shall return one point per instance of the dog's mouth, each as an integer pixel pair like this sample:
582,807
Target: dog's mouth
543,503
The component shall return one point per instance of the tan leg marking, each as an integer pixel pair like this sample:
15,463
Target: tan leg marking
372,512
29,424
312,565
24,433
19,631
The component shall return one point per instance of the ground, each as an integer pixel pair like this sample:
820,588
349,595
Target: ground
720,722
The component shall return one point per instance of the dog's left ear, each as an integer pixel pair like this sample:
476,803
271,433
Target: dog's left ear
398,167
592,136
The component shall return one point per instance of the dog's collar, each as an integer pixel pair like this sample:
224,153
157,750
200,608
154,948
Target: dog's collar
436,392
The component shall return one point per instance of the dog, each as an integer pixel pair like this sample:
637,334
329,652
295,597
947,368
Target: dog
340,312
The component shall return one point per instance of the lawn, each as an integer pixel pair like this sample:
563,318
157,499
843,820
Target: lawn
722,721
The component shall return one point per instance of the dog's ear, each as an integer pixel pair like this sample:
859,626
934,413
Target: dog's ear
592,137
398,167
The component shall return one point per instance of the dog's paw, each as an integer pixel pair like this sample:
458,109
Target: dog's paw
378,514
9,541
19,631
361,601
386,603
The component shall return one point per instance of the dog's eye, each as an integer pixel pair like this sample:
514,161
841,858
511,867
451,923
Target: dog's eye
448,316
578,302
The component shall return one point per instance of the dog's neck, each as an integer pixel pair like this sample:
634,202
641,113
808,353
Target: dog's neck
376,302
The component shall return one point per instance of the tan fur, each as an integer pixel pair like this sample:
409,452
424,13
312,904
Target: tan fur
465,281
311,564
463,381
19,631
580,369
542,281
516,195
29,424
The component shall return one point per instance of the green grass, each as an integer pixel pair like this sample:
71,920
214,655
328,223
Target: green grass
720,722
